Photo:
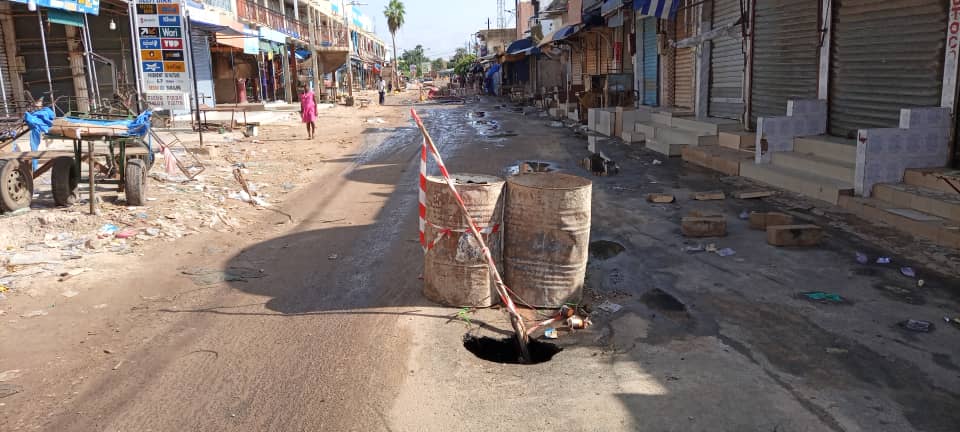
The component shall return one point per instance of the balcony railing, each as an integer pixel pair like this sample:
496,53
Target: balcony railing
253,12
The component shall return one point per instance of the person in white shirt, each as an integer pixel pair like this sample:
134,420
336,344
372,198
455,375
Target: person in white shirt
382,88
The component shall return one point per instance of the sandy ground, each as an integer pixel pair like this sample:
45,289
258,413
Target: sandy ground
318,323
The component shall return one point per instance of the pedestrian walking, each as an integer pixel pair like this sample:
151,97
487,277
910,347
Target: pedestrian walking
308,111
382,88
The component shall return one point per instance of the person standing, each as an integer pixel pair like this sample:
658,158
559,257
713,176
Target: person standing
382,88
308,111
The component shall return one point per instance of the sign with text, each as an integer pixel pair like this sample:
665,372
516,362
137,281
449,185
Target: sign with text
91,7
163,69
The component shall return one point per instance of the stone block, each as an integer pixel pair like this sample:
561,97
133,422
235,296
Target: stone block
660,198
794,235
760,221
709,226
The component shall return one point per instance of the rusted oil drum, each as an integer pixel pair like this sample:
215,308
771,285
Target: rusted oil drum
547,237
455,273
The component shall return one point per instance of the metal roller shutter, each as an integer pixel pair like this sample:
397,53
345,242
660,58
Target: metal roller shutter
726,63
885,55
200,43
684,58
7,108
651,61
785,55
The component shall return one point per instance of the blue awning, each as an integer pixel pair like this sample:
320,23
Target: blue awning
519,45
560,34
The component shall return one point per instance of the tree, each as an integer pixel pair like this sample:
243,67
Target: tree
461,53
395,14
414,56
439,64
465,64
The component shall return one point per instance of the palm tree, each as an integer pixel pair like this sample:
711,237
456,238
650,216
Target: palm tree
395,14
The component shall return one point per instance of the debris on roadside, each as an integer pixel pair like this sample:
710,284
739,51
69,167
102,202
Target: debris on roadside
660,198
919,326
550,333
203,276
744,215
862,258
577,322
725,252
883,260
699,226
955,321
908,272
823,297
657,162
761,220
609,307
709,196
753,194
794,235
693,249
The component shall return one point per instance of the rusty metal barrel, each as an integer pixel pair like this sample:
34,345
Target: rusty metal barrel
455,273
547,237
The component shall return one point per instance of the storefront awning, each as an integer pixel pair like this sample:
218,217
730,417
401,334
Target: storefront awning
610,6
519,45
209,21
560,34
663,9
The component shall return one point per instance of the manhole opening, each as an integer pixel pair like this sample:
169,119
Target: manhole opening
506,350
527,167
606,249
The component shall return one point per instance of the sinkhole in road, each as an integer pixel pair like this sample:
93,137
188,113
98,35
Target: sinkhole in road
527,167
606,249
505,350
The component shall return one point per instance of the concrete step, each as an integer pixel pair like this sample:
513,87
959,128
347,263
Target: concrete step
648,130
632,137
931,179
717,158
664,148
822,188
706,126
816,165
737,140
828,147
932,201
918,224
683,136
661,118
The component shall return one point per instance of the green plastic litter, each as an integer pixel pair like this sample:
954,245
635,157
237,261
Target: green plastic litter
822,296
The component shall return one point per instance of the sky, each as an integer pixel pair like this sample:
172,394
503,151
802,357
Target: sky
441,26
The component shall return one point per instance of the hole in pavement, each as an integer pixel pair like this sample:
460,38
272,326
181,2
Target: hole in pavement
506,350
662,301
526,167
606,249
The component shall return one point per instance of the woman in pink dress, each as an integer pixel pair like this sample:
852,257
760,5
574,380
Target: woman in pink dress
308,111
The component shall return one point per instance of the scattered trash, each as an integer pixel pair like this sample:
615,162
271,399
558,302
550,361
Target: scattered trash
908,272
127,233
108,230
725,252
657,162
609,307
577,323
100,306
823,297
862,258
883,260
333,257
32,314
918,326
744,215
712,248
920,283
117,366
550,333
4,288
955,321
660,198
693,249
376,120
556,124
153,231
33,258
7,389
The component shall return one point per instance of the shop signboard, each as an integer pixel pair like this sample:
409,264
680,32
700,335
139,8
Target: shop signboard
164,75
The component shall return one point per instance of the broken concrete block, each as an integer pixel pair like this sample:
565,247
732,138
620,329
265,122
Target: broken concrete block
709,196
760,221
713,226
753,194
794,235
660,198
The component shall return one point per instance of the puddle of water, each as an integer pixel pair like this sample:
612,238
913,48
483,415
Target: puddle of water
526,167
664,302
506,350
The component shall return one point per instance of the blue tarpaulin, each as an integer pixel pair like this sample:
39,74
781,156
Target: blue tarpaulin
39,123
137,127
519,45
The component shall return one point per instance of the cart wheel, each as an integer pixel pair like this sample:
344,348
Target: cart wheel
135,182
66,181
16,185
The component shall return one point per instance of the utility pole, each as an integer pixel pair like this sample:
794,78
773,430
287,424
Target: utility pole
346,24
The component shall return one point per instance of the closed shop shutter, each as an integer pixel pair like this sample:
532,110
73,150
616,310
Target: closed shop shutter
726,63
7,108
785,55
651,61
885,55
685,58
576,62
200,44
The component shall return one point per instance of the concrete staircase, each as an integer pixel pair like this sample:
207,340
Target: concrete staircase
735,147
821,167
924,205
667,133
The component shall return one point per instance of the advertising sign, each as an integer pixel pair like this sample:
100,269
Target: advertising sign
160,34
91,7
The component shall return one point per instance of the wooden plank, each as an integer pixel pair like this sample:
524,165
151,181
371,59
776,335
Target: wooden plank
709,196
660,198
753,194
50,154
